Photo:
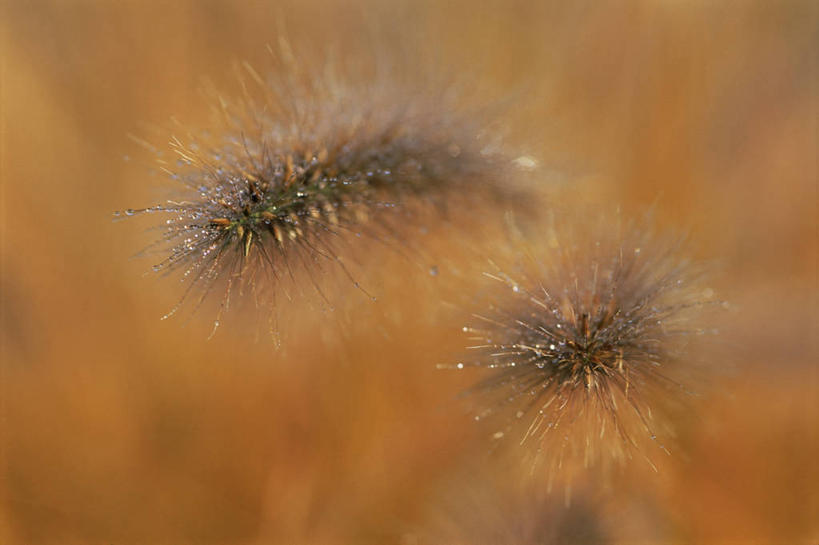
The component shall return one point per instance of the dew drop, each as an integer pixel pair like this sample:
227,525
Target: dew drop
708,293
525,162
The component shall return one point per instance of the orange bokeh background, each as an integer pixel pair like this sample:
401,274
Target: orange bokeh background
116,427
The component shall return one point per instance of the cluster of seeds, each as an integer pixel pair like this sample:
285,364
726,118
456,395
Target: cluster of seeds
295,174
587,342
584,340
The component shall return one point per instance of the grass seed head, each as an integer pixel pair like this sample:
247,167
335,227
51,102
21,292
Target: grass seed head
306,161
587,339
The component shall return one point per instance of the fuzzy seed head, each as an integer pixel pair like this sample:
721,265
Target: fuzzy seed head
588,341
303,164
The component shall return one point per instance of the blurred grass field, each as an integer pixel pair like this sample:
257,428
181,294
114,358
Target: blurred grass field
116,427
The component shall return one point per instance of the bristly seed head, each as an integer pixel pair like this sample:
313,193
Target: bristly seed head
306,161
589,342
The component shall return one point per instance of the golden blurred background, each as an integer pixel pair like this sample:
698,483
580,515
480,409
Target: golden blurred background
119,428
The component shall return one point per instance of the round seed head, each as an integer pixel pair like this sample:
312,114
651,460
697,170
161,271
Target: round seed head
587,337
